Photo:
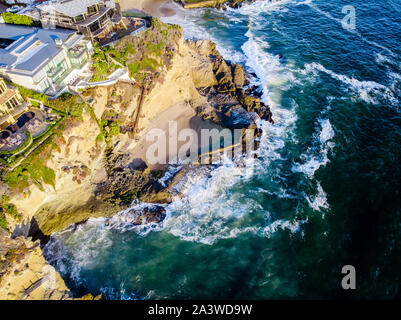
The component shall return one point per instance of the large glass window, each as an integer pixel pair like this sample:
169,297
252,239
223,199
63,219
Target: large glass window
92,9
79,18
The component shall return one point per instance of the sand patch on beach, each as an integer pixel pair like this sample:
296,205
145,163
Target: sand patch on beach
183,117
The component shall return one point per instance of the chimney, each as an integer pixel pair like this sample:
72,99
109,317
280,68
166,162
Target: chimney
58,41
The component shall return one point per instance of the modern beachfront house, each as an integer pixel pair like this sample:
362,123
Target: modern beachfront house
11,104
44,60
93,18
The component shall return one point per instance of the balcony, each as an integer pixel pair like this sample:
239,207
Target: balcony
76,53
53,72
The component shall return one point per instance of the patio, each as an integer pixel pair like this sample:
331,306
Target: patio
35,121
132,24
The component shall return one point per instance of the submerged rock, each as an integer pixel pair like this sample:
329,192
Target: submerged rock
142,214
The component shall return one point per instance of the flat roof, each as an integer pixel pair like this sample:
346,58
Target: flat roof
72,8
33,46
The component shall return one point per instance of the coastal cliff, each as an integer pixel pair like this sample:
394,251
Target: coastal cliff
93,164
25,274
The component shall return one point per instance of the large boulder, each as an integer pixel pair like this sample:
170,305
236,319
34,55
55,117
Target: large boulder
238,76
240,118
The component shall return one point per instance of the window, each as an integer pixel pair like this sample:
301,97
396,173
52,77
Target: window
92,9
79,18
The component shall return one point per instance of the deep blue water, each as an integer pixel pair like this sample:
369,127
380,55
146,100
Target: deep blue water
324,192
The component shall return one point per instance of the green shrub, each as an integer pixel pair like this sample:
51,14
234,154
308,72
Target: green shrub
14,18
34,167
28,93
3,221
68,104
114,129
133,68
99,137
9,208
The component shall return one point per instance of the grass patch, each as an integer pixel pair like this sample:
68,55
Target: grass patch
3,221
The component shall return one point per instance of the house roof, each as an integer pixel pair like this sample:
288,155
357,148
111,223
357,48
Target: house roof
72,8
32,46
7,95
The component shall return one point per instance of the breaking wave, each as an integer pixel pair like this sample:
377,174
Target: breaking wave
368,91
317,155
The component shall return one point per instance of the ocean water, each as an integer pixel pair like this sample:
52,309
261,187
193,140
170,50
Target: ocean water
323,193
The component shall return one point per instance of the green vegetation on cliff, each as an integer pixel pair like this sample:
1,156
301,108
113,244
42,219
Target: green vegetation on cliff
146,54
7,208
103,65
29,93
33,168
67,103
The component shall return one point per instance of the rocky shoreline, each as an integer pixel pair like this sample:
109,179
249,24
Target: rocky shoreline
96,178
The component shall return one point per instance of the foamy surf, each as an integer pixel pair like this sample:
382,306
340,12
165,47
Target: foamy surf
317,155
368,91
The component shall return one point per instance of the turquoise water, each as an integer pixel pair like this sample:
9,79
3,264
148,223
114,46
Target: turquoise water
324,192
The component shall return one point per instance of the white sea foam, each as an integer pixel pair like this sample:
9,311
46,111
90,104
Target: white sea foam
319,201
271,73
314,158
126,220
367,90
383,59
392,71
88,240
209,207
169,174
317,155
266,7
294,226
121,294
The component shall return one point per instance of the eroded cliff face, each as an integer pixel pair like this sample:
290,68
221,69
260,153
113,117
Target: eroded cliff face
25,274
95,170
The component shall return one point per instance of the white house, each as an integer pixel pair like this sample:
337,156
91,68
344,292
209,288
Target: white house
44,60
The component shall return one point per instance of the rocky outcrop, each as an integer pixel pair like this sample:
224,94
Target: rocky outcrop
139,215
25,274
226,100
